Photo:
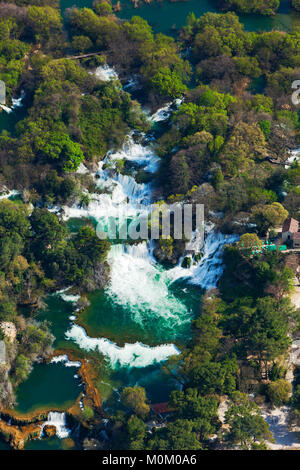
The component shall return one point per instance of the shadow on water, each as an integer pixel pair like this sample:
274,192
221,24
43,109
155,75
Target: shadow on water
165,16
49,386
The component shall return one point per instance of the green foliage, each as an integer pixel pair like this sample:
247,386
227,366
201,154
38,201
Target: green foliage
265,127
246,426
167,83
88,413
296,4
203,411
60,147
263,7
270,215
43,21
135,399
279,392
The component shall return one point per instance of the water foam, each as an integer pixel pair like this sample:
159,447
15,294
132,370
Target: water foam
63,358
130,355
59,421
9,194
132,151
139,283
105,73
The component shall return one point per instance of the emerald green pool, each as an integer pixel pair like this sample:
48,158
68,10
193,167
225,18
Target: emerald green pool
53,386
57,312
4,445
49,386
53,443
8,121
166,16
106,318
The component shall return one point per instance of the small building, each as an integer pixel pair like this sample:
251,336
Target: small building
161,411
2,352
290,227
296,240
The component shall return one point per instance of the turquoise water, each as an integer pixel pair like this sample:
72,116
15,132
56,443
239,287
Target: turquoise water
9,120
57,313
54,385
4,445
49,386
165,16
107,318
53,443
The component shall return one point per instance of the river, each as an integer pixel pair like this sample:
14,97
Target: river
144,315
165,16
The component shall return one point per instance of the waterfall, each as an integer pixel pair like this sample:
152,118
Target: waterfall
10,194
208,270
105,73
16,103
136,152
5,108
130,355
68,297
59,421
138,283
294,157
63,358
164,113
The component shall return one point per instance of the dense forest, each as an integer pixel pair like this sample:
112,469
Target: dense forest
235,120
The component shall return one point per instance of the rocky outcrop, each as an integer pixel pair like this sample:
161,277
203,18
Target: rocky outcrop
91,392
49,430
16,436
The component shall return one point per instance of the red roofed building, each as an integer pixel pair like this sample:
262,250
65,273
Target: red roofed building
290,227
160,408
296,240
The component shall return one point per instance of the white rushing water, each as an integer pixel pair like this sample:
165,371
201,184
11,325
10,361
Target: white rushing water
16,103
9,194
135,151
105,73
294,157
164,113
68,297
5,108
63,358
138,282
59,421
207,272
130,355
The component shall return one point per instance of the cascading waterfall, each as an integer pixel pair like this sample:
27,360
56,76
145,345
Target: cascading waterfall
209,269
136,152
5,108
9,194
105,73
16,103
59,421
63,358
294,157
138,282
130,355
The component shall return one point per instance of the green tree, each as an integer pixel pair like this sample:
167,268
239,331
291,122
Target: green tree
279,392
246,426
135,399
